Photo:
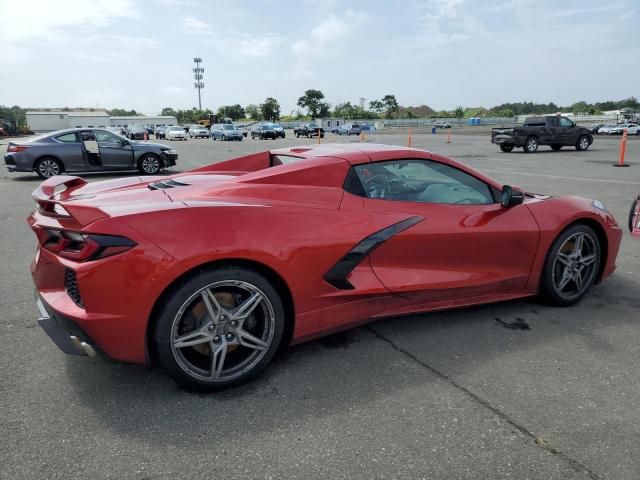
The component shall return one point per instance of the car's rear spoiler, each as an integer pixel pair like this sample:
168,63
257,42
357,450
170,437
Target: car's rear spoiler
50,197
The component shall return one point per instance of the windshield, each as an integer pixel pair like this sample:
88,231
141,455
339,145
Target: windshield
228,127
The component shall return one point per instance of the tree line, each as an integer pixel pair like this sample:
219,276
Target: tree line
313,104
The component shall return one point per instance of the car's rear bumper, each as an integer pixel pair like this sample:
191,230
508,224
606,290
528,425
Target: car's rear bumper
65,333
15,164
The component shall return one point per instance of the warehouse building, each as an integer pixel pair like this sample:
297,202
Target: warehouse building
42,121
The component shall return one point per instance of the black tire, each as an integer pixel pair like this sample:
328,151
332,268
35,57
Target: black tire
308,135
184,311
149,164
632,213
47,167
530,145
506,147
582,143
223,138
555,147
297,135
569,266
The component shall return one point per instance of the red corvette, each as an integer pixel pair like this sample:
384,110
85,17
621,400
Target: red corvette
210,271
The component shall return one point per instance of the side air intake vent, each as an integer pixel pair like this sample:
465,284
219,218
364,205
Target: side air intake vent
166,184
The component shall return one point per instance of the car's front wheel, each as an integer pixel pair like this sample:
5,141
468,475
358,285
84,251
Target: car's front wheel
571,266
530,145
48,167
149,164
583,143
506,147
220,328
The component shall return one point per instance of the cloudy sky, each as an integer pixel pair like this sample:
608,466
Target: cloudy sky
443,53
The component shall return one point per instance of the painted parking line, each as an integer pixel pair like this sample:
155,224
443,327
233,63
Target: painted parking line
560,177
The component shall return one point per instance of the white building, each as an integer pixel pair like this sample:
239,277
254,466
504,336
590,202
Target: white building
41,121
143,120
47,121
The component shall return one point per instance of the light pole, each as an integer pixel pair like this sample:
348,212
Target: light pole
198,75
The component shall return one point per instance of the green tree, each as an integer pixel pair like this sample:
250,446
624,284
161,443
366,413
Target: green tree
253,112
270,109
168,111
234,112
390,105
121,112
313,101
459,112
376,105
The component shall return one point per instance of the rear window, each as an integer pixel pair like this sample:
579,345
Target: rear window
67,138
228,127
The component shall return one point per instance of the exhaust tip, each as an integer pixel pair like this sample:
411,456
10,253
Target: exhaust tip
83,347
76,342
88,349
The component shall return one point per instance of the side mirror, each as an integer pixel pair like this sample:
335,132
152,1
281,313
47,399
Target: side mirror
511,196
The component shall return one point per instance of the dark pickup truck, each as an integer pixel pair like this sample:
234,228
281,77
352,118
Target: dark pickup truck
309,130
552,130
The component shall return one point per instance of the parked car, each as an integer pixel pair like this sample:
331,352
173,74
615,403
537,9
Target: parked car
137,132
175,133
551,130
159,133
632,129
263,132
335,130
279,130
198,131
350,129
595,128
217,285
86,150
226,131
442,125
605,129
309,130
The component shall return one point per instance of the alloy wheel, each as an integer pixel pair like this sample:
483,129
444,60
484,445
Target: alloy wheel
584,143
222,331
48,168
150,165
574,266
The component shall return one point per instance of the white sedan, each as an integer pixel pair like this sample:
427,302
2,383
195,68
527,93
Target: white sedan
175,133
632,129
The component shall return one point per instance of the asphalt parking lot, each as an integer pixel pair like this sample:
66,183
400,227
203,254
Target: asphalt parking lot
447,395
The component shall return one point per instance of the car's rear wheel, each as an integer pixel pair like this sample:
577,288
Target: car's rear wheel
220,328
555,147
571,266
583,143
634,214
506,147
48,167
530,145
149,164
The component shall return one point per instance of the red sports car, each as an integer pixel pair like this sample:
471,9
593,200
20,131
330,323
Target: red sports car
210,271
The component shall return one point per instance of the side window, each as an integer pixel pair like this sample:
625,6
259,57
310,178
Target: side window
67,138
552,121
565,122
422,181
106,137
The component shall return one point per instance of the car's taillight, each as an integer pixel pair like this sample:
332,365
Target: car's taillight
16,148
81,247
